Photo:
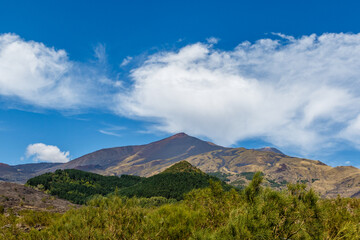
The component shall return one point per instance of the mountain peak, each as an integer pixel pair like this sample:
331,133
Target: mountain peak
179,135
270,149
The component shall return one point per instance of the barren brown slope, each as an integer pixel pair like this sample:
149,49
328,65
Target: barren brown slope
280,169
20,197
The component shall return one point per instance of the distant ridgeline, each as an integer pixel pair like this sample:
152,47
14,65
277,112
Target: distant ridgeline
78,186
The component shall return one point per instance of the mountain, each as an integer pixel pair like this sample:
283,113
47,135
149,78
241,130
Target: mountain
234,165
142,160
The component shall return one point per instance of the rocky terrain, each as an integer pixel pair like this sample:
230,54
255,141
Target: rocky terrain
19,197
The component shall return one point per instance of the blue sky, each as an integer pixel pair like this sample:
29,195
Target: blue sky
79,76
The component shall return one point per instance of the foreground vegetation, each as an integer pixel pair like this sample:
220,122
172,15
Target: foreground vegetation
207,213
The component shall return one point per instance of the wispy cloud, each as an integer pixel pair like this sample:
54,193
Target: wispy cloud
126,61
46,153
112,130
300,93
100,53
109,133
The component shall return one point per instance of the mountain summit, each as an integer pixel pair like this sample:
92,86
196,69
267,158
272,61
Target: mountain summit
270,149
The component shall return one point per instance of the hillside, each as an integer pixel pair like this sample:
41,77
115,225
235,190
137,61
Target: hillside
239,163
19,197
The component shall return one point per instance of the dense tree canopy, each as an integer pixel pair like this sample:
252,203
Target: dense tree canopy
78,186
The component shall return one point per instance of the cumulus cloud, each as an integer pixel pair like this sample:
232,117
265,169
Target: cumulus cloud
293,92
46,153
35,74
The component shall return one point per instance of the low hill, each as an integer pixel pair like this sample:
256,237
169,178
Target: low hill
174,182
19,197
183,167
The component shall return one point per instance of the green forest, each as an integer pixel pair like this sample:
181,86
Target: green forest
211,212
79,186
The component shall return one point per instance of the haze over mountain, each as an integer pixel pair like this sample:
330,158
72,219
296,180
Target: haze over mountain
234,165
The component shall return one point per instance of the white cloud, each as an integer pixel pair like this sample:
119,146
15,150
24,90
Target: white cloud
35,74
301,93
110,133
352,132
46,153
126,61
100,53
212,40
